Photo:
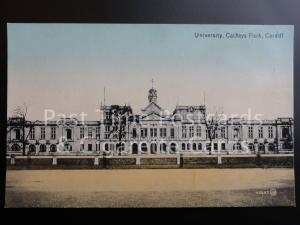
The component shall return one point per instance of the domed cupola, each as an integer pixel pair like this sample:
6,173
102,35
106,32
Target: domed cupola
152,95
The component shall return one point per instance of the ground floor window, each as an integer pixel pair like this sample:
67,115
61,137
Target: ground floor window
53,148
31,148
183,146
223,146
43,148
153,148
199,146
144,147
163,147
173,147
261,147
15,148
90,147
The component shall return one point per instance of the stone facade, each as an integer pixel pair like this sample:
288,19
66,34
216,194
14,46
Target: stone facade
154,131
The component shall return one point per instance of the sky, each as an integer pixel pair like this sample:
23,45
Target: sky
65,67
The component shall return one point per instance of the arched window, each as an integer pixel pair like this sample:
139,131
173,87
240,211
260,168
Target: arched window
261,147
188,146
42,148
153,148
120,147
173,147
144,148
271,147
106,147
199,146
53,148
31,148
163,147
15,148
251,146
134,148
194,146
237,146
183,146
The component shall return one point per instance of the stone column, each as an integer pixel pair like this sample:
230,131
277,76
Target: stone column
266,148
54,160
178,158
138,160
96,161
12,160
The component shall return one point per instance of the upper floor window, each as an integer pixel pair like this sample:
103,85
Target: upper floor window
172,132
163,132
18,134
43,133
198,131
53,132
81,132
90,132
222,132
107,128
184,131
98,132
32,133
270,132
260,132
250,132
153,132
191,129
69,134
285,132
133,132
144,132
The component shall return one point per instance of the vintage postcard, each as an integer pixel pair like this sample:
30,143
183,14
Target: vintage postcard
149,115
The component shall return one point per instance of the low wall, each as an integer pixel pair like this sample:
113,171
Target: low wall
89,162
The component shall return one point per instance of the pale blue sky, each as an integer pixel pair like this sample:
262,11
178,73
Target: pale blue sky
65,67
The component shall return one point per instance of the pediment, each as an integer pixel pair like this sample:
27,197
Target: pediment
152,108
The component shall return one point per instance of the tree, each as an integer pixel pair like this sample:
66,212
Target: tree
212,123
118,118
19,119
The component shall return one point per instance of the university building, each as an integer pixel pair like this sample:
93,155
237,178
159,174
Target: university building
152,132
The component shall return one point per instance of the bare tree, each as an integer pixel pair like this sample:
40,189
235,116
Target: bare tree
212,123
118,119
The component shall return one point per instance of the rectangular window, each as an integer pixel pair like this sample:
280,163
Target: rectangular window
90,132
98,132
106,136
270,132
43,133
81,132
172,132
250,132
144,132
32,134
18,134
163,132
90,147
191,129
260,132
133,132
107,128
153,132
285,132
183,131
222,132
53,132
198,131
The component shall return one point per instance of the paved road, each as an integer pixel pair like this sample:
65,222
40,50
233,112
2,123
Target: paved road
150,188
